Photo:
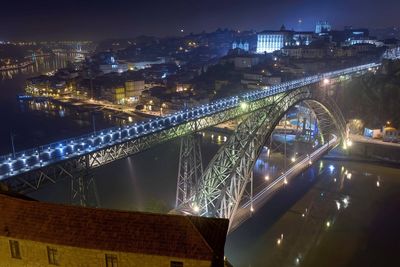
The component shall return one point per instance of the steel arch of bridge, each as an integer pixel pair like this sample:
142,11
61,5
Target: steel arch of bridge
224,181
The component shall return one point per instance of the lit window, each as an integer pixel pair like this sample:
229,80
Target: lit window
176,264
52,254
111,260
14,248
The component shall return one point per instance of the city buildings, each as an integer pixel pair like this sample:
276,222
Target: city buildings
61,83
106,62
304,38
241,45
133,90
257,80
271,41
41,234
322,27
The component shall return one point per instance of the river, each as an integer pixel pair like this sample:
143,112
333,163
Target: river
335,214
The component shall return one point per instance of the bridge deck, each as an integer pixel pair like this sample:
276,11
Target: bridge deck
265,194
65,150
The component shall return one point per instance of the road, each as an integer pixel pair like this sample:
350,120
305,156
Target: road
363,139
259,199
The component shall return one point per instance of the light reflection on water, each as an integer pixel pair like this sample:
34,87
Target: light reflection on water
40,65
325,221
33,124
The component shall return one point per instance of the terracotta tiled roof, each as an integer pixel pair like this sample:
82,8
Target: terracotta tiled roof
136,232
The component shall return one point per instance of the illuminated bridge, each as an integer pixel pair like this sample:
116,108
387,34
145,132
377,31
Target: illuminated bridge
216,191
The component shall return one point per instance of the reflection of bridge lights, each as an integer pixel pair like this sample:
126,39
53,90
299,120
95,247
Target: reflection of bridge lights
349,143
378,184
251,208
196,208
285,181
346,201
279,240
338,205
331,168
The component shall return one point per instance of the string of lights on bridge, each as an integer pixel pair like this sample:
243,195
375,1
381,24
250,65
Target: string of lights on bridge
28,160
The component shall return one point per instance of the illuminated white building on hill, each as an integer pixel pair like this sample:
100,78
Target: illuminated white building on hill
270,41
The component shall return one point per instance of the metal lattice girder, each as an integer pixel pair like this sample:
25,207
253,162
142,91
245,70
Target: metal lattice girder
329,117
224,181
119,150
32,181
190,167
76,170
82,184
111,150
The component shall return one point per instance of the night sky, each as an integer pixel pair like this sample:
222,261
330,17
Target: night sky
73,19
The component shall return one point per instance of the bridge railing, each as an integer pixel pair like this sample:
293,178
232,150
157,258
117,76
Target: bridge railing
35,158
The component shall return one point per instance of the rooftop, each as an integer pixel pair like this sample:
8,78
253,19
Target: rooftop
135,232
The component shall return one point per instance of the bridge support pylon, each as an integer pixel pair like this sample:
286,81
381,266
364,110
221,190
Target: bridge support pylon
190,167
82,185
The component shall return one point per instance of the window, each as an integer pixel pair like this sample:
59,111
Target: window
52,254
176,264
111,260
14,248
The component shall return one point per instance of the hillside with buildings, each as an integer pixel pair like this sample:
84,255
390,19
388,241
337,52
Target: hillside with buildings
374,99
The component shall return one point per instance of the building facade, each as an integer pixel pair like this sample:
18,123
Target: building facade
271,41
243,62
241,45
322,27
133,90
20,252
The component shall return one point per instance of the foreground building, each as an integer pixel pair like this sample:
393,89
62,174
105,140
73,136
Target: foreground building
41,234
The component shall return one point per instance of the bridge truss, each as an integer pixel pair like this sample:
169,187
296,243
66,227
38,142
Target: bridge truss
224,184
120,143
